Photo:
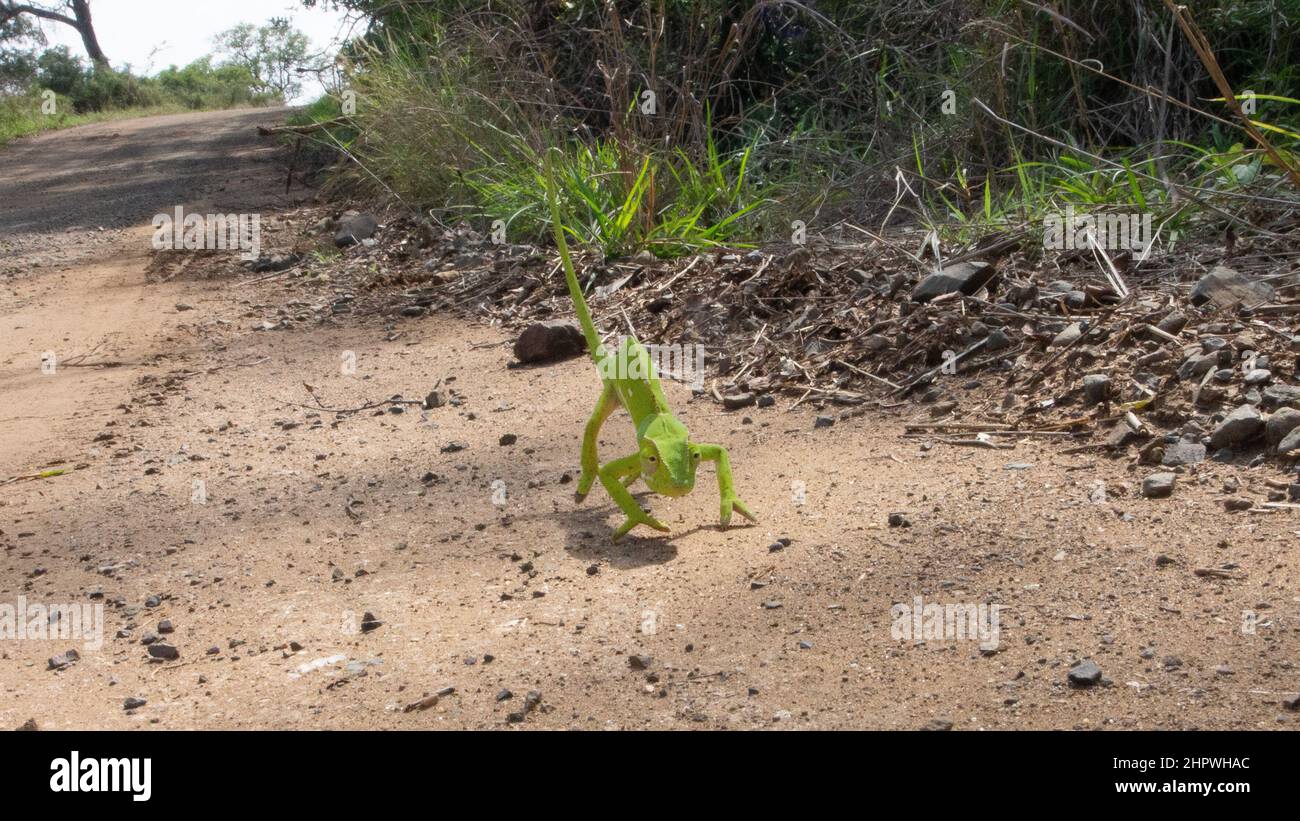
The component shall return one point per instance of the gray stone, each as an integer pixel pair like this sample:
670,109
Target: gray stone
1290,443
1239,427
1279,395
1158,485
966,277
1068,336
1225,287
1173,323
549,341
997,340
1084,674
1279,425
355,228
1197,365
1096,387
166,652
1258,376
63,660
1183,453
736,401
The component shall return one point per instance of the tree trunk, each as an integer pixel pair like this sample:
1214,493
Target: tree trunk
9,9
86,29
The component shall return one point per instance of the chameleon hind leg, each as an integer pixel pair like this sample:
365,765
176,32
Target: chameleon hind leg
718,454
610,476
607,404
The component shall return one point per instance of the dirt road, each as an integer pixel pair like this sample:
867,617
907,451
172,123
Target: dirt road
199,494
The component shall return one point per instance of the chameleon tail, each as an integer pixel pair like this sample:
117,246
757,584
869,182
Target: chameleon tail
571,276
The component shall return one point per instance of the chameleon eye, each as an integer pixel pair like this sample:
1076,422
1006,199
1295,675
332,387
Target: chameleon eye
651,459
696,455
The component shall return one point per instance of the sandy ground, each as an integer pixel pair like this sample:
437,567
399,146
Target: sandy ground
266,531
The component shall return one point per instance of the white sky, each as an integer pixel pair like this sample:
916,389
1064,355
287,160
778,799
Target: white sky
153,34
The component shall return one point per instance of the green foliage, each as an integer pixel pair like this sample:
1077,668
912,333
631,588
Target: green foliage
270,54
771,112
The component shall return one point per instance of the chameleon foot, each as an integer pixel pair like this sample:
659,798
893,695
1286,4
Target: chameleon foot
633,521
728,503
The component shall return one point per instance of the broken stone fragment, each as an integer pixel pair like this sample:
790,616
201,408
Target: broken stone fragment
966,277
1225,287
1158,485
1278,395
353,228
1279,425
1238,428
1183,453
1096,387
549,341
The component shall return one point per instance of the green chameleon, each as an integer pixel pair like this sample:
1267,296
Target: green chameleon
666,457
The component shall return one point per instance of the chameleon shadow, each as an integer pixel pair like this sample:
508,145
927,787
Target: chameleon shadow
587,539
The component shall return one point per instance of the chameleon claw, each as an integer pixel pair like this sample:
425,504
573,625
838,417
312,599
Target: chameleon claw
732,502
584,486
633,521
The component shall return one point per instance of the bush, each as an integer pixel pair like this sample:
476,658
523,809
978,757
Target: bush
819,108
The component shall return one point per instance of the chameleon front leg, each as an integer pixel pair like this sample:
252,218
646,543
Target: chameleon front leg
718,454
610,476
606,405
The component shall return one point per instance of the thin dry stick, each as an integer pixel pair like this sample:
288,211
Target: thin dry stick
1203,50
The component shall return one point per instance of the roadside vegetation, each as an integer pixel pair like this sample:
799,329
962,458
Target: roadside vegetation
689,125
49,88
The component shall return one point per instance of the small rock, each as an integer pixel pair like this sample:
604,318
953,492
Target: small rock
1084,674
133,703
507,440
549,341
997,340
1224,287
1234,504
166,652
967,277
1279,395
1258,376
352,229
165,626
370,623
823,422
899,520
1290,443
1158,485
639,662
63,660
1096,388
1068,336
1183,453
736,401
1279,425
1239,427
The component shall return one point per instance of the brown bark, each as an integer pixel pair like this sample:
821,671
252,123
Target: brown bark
80,21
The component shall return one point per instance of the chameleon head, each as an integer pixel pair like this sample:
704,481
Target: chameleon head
668,465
